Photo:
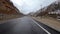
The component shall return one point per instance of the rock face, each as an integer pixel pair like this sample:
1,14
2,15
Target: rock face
8,10
6,7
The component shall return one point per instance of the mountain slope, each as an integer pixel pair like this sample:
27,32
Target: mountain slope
52,10
8,10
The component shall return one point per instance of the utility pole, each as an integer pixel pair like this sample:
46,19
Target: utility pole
41,10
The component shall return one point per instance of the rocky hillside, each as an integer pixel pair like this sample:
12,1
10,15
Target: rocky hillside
6,7
53,10
8,10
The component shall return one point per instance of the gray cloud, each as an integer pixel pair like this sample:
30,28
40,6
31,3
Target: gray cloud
26,6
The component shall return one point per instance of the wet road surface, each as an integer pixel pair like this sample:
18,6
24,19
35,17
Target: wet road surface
24,25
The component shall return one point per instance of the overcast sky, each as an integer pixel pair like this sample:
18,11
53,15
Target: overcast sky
26,6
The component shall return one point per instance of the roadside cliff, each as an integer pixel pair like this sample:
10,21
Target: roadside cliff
8,10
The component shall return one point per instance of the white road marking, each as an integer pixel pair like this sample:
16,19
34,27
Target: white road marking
41,27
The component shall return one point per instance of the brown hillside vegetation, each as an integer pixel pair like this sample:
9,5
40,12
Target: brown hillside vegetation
8,10
52,10
6,7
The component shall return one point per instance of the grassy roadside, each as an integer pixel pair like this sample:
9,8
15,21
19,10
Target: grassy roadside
5,18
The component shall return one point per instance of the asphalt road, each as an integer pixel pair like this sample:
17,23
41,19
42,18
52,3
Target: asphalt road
25,25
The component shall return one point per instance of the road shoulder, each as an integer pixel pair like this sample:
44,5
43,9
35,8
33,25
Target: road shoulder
55,25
